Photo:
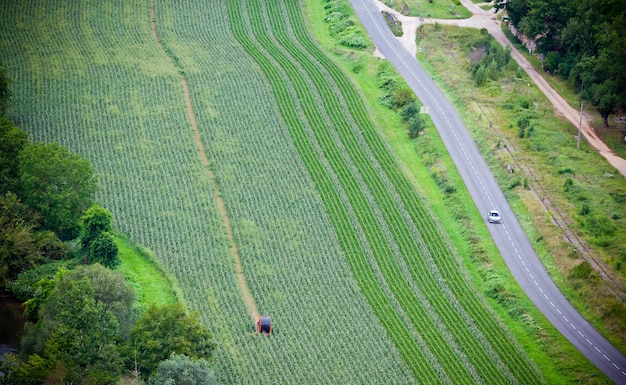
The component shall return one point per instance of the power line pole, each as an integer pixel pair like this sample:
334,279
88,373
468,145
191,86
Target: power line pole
580,123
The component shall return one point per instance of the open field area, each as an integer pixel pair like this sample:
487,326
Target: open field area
184,105
429,9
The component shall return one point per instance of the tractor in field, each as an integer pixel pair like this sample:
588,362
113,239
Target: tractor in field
264,325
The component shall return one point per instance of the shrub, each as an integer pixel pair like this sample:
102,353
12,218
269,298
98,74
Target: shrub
353,39
568,184
584,209
566,170
182,370
416,126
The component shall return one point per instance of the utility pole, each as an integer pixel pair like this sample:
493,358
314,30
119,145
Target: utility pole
580,123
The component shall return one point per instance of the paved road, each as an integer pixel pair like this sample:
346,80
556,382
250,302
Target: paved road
508,236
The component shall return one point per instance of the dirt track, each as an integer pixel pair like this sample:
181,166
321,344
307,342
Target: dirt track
487,19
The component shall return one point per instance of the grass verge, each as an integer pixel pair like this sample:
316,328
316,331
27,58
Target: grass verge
152,285
430,8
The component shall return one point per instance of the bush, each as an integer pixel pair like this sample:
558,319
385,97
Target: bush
182,370
402,97
568,184
581,271
416,125
584,209
353,39
164,330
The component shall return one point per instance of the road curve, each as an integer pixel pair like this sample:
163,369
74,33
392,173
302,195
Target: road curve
508,236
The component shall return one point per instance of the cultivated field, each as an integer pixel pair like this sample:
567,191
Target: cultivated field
335,243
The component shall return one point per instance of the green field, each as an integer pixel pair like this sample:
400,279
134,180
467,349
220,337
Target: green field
335,242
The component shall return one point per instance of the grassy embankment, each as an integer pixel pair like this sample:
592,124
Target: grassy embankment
427,161
152,285
429,9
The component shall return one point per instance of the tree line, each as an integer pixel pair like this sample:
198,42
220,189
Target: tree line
58,255
582,41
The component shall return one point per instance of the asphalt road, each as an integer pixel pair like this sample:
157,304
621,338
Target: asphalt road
508,236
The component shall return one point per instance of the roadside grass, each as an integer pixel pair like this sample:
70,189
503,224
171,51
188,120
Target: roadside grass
152,285
579,182
613,136
554,355
430,8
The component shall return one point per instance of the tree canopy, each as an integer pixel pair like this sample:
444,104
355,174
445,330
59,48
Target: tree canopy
585,42
81,325
182,370
165,330
96,239
5,91
12,142
57,184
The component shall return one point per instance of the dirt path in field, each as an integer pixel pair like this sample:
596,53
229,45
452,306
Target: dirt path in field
488,20
217,196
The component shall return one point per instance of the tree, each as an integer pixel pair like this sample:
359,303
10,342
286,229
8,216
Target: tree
5,92
111,290
35,370
96,240
82,323
104,250
21,246
584,40
57,184
182,370
165,330
416,125
12,142
84,334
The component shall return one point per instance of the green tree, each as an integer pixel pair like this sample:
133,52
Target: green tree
84,334
104,250
97,243
12,142
111,290
402,97
35,370
585,40
5,91
165,330
416,125
82,324
21,246
182,370
57,184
